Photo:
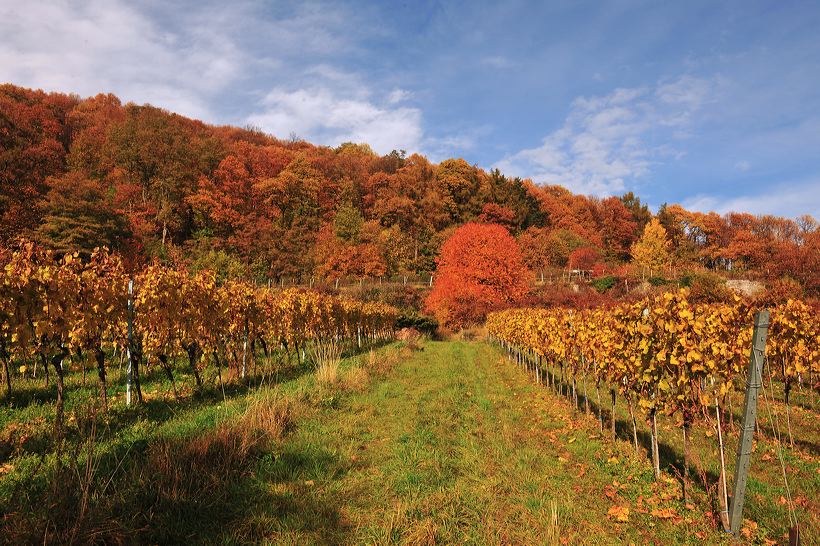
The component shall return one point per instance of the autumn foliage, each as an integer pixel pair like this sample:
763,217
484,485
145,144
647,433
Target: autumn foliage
79,173
480,269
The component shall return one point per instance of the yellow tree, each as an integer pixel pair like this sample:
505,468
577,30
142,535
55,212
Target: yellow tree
651,252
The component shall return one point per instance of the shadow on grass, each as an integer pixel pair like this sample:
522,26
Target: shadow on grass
221,485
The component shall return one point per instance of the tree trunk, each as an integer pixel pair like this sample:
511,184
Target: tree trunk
612,417
219,373
574,393
136,358
45,367
787,389
634,425
163,359
99,356
57,362
4,355
192,351
586,398
656,463
600,409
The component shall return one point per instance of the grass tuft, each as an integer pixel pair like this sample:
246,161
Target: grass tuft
326,355
356,379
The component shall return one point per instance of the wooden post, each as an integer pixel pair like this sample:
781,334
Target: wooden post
129,374
245,350
744,450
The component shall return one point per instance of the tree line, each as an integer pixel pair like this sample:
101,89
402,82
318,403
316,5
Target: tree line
77,173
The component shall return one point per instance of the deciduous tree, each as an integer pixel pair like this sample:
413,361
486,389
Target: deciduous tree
480,269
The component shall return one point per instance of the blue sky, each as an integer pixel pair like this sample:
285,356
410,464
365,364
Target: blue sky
714,105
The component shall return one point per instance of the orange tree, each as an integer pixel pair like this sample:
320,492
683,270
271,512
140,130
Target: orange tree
480,269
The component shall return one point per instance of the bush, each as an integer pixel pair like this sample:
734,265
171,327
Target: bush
658,281
603,284
425,325
705,287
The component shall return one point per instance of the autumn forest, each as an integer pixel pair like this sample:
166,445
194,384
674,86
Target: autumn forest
78,173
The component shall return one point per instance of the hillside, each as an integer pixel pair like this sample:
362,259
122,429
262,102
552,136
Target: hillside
76,173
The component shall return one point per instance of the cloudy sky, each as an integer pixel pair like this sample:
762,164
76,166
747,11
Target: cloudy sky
714,105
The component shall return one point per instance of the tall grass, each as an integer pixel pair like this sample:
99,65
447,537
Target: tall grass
326,354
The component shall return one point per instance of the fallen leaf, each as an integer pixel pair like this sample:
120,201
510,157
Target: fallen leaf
749,527
619,513
664,513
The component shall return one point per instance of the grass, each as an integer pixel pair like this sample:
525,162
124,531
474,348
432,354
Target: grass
440,442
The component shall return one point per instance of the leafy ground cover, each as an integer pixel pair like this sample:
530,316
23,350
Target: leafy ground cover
448,442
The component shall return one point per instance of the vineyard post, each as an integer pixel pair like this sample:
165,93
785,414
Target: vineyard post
245,349
129,374
744,450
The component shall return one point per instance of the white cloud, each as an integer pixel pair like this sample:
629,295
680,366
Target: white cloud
331,115
607,141
787,199
743,165
111,46
398,95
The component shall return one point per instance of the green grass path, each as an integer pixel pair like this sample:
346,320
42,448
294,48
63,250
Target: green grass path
455,446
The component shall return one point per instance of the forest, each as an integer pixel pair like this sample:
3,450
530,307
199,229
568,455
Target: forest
81,173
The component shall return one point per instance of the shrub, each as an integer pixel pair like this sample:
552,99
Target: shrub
424,324
706,287
603,284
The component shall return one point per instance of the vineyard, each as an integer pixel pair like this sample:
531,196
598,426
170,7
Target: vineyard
64,314
667,355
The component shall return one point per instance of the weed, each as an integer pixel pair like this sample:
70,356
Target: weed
356,379
326,355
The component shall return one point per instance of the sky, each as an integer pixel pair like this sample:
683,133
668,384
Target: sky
712,105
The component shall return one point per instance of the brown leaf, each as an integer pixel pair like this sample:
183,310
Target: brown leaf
664,513
619,513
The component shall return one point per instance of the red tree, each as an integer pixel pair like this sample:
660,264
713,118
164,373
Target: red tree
584,258
480,269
